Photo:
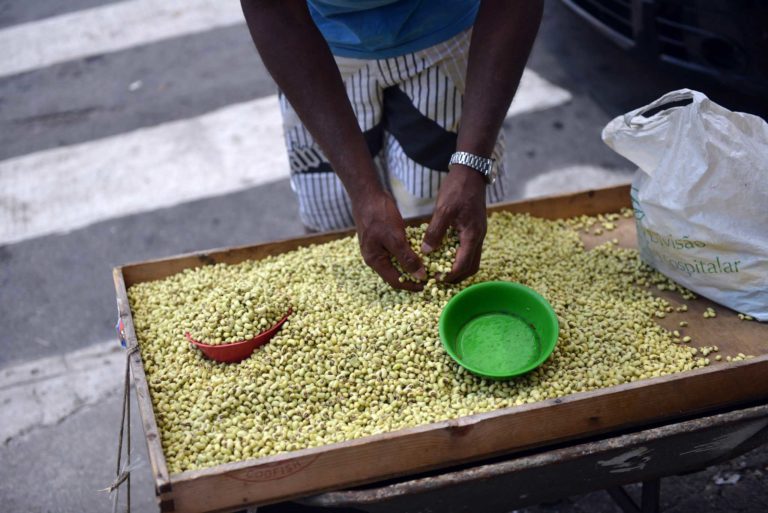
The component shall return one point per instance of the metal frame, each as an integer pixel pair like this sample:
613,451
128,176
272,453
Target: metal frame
644,456
649,501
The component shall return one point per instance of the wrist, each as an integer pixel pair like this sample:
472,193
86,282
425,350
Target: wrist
363,194
476,143
468,176
361,181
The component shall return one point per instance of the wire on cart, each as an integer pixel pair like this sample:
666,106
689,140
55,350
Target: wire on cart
123,472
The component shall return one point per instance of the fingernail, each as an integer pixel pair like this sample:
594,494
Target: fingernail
421,274
426,248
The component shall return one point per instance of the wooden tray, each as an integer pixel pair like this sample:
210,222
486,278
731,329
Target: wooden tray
408,451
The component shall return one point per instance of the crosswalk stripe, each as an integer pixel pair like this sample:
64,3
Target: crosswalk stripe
43,392
218,153
221,152
537,93
109,28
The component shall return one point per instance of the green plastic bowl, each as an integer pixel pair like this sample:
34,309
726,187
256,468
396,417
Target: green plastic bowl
498,329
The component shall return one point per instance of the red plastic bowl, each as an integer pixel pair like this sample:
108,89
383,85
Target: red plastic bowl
237,351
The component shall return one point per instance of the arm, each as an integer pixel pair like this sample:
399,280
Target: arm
502,38
298,58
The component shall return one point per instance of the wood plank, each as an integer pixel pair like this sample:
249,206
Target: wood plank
470,438
149,423
673,447
427,447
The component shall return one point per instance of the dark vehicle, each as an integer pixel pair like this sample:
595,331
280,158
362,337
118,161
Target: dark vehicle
726,40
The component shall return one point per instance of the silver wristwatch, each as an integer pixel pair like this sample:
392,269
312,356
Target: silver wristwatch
487,167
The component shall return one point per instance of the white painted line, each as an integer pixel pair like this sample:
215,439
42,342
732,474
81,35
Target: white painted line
109,28
221,152
536,93
218,153
573,179
44,392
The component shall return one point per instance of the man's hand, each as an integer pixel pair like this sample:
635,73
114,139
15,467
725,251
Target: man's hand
461,204
381,232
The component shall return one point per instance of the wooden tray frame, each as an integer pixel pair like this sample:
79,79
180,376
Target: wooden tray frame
299,473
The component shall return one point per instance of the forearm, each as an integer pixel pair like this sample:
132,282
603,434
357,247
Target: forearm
299,60
502,38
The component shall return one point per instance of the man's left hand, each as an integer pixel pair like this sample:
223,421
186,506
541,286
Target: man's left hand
460,204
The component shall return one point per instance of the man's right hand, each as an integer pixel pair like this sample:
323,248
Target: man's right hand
381,232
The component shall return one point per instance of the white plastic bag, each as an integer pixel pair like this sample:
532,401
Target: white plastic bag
700,195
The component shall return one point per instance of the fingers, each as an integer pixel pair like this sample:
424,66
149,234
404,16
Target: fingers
438,225
382,236
468,255
382,264
408,259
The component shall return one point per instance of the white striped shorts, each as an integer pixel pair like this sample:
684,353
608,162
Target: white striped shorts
409,109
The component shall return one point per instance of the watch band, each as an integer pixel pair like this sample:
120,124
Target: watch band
481,164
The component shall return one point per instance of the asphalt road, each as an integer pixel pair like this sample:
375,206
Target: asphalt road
56,293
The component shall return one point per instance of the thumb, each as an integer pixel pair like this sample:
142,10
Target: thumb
433,237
